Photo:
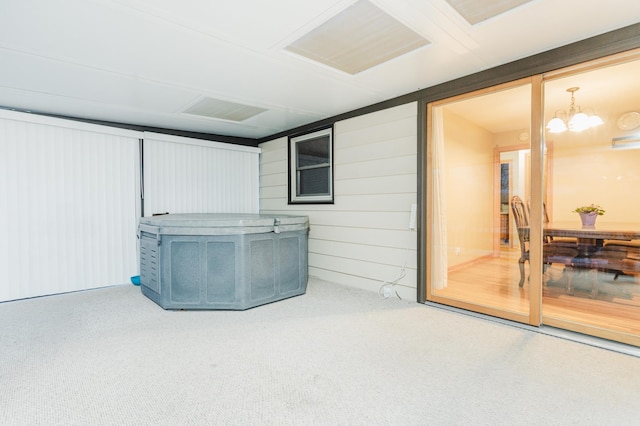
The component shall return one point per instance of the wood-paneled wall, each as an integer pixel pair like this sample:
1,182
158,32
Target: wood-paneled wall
363,239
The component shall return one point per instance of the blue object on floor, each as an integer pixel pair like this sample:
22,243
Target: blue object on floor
135,280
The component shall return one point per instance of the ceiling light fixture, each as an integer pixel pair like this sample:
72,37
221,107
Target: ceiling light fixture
575,121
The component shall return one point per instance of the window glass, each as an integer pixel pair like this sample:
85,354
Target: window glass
311,171
479,161
313,152
597,292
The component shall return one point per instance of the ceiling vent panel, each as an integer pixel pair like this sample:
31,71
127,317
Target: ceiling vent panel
223,110
475,11
360,37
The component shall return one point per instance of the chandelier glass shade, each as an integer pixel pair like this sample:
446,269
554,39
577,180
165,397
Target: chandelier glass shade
575,120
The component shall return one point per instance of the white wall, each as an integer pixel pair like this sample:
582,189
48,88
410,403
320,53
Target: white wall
595,173
363,239
469,186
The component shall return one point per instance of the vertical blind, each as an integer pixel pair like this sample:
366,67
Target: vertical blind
184,175
70,197
68,205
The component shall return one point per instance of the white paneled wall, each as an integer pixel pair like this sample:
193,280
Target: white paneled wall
68,205
363,239
184,175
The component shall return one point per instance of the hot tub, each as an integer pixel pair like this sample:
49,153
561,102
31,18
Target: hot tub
222,261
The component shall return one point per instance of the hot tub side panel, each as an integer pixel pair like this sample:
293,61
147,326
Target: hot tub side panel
276,266
223,271
293,262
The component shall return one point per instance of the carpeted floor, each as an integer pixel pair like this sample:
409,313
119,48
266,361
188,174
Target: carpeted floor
334,356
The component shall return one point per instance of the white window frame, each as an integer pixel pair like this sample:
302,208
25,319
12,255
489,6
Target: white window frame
295,197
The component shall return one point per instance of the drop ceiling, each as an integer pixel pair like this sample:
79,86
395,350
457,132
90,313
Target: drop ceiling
236,68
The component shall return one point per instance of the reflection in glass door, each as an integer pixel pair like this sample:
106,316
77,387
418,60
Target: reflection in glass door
478,155
598,291
504,236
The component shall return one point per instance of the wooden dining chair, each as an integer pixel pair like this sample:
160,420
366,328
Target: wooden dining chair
631,263
623,257
563,253
545,218
557,240
521,218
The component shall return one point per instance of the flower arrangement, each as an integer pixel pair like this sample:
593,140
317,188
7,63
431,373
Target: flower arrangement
592,209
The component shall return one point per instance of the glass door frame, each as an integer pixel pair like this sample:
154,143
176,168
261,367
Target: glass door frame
584,67
538,187
535,283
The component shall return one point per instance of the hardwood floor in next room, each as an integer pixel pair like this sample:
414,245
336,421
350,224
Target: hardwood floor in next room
493,282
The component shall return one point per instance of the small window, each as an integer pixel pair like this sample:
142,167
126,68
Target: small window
311,167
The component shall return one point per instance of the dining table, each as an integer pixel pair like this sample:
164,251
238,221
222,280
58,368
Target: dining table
595,234
591,241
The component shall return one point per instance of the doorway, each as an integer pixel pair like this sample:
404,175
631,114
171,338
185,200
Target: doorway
506,179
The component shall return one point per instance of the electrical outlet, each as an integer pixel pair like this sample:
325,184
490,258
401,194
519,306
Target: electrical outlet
412,216
386,292
458,250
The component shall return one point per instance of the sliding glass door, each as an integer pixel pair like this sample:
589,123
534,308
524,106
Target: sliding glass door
479,161
508,168
595,162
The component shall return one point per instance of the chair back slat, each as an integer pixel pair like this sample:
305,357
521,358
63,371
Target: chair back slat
521,217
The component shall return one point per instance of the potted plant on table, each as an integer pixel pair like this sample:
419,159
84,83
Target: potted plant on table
589,213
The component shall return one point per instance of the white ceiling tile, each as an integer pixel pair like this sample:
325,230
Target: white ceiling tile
144,61
358,38
475,11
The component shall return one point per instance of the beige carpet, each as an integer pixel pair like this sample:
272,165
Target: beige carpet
334,356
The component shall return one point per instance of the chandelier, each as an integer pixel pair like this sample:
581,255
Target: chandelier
575,121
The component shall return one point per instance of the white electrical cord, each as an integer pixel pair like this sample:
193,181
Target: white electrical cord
388,287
